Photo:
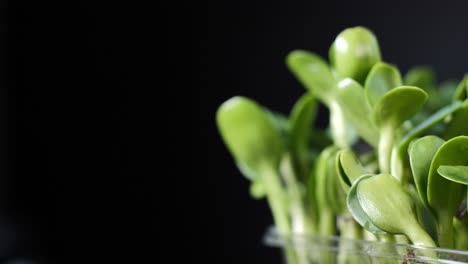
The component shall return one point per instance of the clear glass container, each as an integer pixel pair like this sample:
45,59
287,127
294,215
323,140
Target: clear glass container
311,249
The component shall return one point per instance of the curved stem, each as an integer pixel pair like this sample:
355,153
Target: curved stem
419,237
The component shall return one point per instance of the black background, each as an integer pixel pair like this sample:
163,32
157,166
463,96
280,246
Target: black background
239,47
67,72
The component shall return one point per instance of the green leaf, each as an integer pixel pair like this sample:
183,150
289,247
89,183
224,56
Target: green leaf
354,52
398,105
385,202
454,173
345,183
421,153
301,119
390,111
350,97
443,193
249,134
336,197
421,76
351,165
313,72
321,174
444,196
390,208
355,208
382,78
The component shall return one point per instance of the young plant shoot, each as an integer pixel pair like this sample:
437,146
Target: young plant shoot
391,164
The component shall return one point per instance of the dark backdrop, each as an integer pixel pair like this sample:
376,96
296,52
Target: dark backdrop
66,71
239,47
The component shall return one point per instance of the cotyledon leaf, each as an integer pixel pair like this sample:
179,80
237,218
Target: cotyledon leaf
250,135
313,72
354,52
454,173
421,153
356,209
382,78
321,173
383,199
300,124
336,196
444,196
390,208
398,105
348,168
301,119
453,152
345,183
351,165
390,111
351,98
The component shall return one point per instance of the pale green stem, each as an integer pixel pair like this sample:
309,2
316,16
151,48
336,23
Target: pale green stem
327,228
419,237
387,135
399,165
445,232
300,222
327,223
276,198
338,125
